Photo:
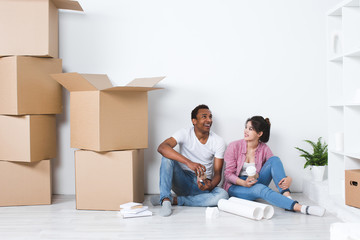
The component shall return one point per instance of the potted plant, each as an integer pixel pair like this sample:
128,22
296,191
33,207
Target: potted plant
316,160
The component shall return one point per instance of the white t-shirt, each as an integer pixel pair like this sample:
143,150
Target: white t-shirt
193,149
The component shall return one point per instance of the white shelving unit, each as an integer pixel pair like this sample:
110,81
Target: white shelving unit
343,83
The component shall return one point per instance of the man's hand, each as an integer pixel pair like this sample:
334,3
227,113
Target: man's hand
285,183
205,184
198,168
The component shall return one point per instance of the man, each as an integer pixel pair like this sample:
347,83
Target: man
194,172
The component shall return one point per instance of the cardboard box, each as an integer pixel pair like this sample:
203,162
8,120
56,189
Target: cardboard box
106,180
352,187
27,138
106,118
26,86
31,27
25,183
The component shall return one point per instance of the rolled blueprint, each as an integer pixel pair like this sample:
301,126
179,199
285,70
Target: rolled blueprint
242,210
267,209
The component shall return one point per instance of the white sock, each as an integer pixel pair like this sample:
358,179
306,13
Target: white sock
289,197
313,210
155,200
165,210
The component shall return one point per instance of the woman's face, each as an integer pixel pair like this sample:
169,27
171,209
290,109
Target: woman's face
250,134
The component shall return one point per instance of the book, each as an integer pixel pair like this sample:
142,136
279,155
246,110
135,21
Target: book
145,213
132,209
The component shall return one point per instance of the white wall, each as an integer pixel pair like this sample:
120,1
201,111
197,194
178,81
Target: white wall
242,58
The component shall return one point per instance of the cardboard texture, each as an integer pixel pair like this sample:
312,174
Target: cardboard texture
352,187
27,138
26,86
106,118
25,183
31,27
106,180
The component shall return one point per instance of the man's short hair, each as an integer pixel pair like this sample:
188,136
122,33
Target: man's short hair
195,111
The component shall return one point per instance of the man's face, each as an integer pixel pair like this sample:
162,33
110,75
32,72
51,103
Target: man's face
203,120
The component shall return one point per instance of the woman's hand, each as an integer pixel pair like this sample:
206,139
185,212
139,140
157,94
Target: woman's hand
285,183
250,181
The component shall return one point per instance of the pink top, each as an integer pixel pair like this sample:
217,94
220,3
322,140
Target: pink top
235,156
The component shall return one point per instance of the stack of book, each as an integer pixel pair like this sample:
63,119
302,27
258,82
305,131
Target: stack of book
132,209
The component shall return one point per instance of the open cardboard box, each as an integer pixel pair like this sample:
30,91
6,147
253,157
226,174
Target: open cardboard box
107,179
25,183
106,118
27,138
352,187
26,86
31,27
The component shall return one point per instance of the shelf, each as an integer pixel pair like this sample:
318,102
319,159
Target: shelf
339,105
336,59
352,155
337,152
352,105
343,87
354,53
337,10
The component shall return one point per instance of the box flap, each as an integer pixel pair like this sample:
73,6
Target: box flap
67,4
130,89
82,82
144,82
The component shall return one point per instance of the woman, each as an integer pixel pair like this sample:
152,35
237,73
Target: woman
252,151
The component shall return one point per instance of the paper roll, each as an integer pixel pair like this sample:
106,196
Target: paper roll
267,209
212,212
242,210
339,141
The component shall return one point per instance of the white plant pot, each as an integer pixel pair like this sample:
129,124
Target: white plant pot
317,173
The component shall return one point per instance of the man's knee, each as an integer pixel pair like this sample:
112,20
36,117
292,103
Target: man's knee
219,193
167,163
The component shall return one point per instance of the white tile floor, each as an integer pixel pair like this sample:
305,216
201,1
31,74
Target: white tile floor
62,221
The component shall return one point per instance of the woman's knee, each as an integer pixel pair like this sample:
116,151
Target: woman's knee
274,159
259,189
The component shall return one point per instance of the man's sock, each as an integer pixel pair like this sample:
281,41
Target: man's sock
165,209
155,200
313,210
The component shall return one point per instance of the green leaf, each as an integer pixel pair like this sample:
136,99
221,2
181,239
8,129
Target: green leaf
319,156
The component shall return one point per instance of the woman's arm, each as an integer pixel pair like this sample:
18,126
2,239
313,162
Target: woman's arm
230,164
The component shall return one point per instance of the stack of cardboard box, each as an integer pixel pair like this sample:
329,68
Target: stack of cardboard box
29,98
110,126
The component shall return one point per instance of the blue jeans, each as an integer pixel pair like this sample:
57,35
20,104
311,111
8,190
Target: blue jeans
272,169
184,184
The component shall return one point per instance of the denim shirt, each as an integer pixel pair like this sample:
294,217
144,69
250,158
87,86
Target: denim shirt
235,156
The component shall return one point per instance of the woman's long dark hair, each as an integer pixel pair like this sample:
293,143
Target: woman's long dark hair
261,124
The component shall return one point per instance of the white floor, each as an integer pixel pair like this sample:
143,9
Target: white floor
62,221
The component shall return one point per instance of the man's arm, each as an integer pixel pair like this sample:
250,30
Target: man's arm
166,148
211,184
